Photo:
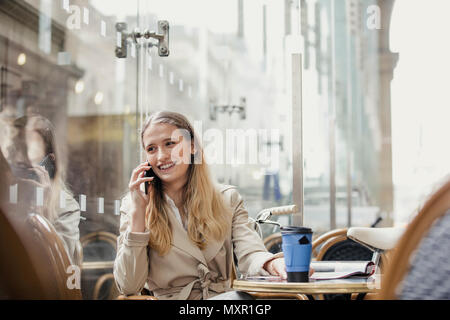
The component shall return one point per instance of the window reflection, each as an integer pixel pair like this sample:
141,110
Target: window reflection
70,106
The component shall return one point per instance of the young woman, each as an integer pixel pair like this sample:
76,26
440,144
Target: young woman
180,238
29,146
42,153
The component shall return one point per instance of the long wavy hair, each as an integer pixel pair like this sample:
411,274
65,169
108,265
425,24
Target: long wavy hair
209,218
46,131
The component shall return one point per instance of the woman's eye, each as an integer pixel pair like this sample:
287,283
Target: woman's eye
170,143
150,149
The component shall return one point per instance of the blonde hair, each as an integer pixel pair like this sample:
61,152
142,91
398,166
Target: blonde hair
209,218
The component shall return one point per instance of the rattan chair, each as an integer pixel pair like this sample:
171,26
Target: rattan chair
19,271
105,244
418,268
53,250
331,246
335,246
34,264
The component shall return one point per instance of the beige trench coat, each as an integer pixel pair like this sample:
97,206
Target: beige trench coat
188,272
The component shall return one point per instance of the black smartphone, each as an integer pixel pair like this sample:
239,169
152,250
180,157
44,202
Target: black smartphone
49,164
148,174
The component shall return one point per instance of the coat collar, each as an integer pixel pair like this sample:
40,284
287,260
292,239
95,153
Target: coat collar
181,239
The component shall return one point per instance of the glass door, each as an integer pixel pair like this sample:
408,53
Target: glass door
60,77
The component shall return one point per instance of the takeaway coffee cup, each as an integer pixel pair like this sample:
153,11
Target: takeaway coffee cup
297,246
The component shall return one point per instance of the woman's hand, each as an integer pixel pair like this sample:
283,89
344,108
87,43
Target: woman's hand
139,199
277,267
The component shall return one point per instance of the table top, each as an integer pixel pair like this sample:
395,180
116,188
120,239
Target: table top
352,285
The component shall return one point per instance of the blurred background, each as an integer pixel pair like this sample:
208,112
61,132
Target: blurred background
374,101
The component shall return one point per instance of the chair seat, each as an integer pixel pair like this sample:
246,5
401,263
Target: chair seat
377,238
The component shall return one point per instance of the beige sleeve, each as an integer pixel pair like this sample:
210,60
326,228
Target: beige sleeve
66,224
248,246
131,265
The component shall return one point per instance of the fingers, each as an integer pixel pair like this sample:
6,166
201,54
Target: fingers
139,181
43,175
281,269
277,267
139,171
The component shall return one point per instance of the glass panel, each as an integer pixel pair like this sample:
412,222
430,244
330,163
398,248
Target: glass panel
70,105
59,69
226,72
342,127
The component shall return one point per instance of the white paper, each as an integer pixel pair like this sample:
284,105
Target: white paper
326,270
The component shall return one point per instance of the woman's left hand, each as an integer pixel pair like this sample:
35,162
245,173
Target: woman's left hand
277,267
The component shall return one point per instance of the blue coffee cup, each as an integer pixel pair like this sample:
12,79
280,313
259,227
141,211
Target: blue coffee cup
297,247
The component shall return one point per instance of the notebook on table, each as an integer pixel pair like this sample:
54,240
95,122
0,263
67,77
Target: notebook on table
328,270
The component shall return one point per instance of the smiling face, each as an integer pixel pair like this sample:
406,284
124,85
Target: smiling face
168,152
36,147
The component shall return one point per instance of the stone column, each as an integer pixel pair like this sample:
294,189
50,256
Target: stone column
387,63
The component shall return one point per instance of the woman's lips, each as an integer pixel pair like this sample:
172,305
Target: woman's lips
166,167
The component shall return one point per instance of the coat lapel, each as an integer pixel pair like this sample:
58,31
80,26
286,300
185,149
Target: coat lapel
181,239
212,249
214,246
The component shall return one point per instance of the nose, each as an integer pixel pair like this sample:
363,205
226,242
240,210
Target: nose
163,155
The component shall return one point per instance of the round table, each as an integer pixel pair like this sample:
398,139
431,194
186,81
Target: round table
342,286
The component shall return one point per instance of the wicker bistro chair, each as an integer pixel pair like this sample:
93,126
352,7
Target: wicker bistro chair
20,276
36,261
419,267
99,251
335,246
331,246
54,251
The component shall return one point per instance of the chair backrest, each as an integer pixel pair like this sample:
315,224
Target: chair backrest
78,254
19,277
432,218
334,245
54,252
99,244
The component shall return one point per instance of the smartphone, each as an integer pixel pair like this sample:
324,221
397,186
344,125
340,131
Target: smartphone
49,164
148,174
